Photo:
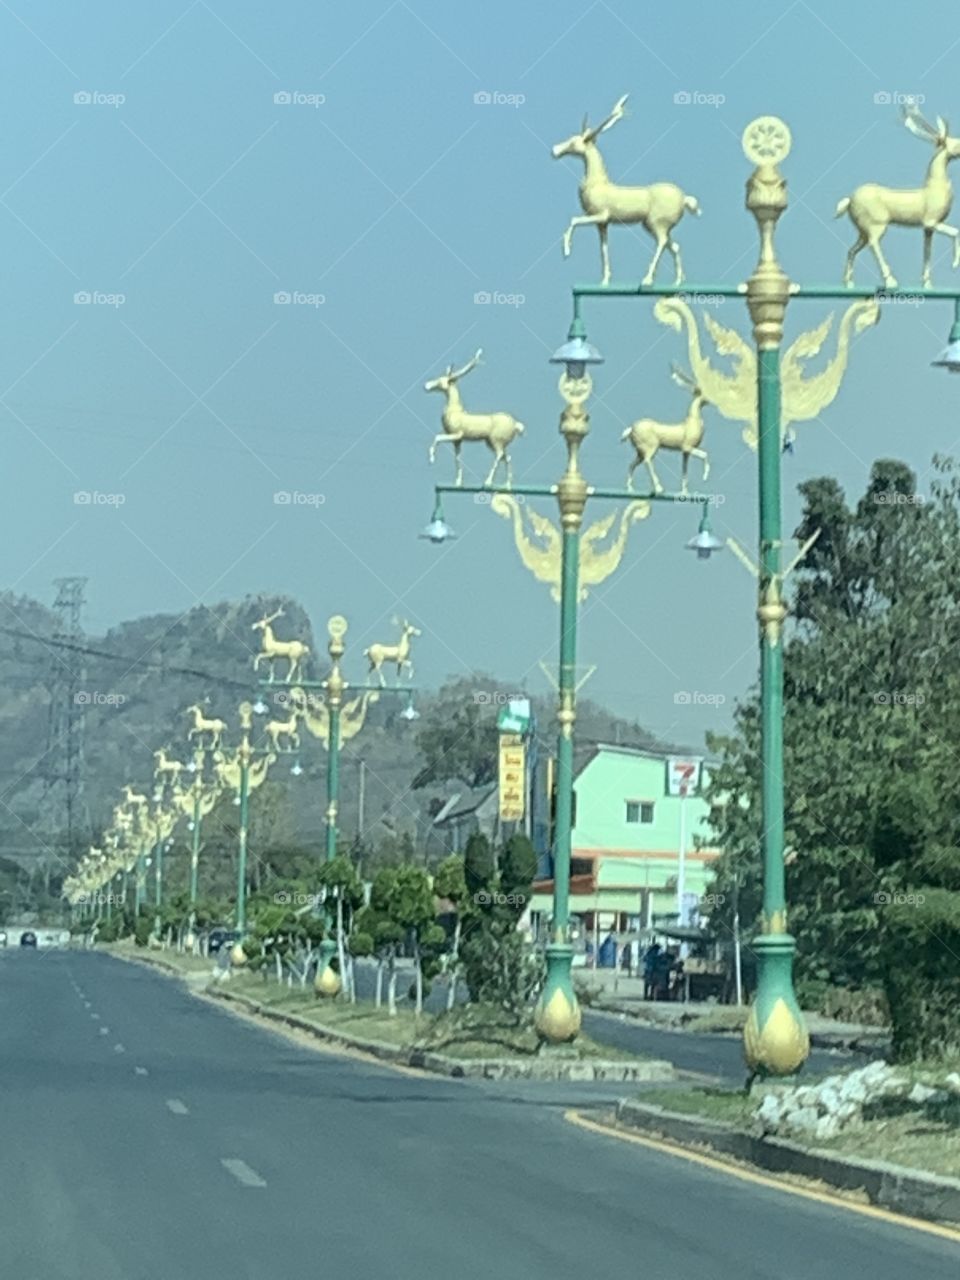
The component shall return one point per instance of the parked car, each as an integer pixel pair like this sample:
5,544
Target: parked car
28,939
219,938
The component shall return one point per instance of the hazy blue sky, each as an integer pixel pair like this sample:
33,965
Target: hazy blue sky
398,198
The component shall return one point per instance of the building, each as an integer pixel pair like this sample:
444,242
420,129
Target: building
625,849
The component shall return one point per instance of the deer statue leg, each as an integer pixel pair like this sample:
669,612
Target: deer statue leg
874,241
509,465
861,243
947,230
702,455
657,486
604,229
631,469
658,254
440,439
927,248
582,220
456,451
684,485
677,262
498,456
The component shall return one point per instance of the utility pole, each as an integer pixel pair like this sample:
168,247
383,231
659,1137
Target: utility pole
361,800
65,800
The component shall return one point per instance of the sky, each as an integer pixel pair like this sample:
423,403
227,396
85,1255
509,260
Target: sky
172,172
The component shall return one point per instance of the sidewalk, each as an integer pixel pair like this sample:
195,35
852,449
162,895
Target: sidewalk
620,993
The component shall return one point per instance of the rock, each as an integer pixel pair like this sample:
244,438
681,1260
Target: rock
827,1127
921,1093
952,1082
768,1113
803,1120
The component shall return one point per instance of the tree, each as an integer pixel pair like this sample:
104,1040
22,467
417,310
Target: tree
872,782
339,878
450,882
458,734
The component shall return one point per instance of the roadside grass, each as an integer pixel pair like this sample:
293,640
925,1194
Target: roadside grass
468,1033
923,1137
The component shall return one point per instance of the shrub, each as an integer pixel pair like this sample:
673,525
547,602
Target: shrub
921,964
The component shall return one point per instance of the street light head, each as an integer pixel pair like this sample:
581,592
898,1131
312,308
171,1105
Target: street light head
949,357
296,769
438,531
410,713
705,543
260,708
576,353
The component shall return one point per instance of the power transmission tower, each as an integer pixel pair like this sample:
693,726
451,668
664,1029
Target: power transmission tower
64,801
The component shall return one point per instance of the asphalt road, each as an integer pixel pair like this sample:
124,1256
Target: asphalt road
148,1135
704,1053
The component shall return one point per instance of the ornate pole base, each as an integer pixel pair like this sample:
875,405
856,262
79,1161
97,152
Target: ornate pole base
238,957
775,1038
327,983
558,1016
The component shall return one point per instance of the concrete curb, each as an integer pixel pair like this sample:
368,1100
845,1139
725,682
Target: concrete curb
892,1186
460,1068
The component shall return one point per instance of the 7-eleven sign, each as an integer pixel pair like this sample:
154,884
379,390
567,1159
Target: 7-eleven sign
683,775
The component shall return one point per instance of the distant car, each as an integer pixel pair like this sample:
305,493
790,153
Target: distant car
220,938
28,939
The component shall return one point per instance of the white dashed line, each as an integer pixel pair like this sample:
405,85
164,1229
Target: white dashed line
139,1071
118,1048
243,1173
95,1017
104,1031
177,1107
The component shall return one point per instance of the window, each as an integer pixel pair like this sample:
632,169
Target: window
640,811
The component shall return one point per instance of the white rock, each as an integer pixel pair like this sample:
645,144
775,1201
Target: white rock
921,1093
827,1127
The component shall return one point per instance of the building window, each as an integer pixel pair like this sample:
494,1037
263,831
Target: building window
640,811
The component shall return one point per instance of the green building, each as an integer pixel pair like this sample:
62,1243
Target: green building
630,822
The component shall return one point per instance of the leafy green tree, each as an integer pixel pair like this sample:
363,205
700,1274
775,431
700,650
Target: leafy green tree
872,680
450,882
339,878
458,734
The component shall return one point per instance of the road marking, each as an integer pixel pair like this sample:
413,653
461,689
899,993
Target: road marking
118,1048
243,1173
86,1004
832,1199
95,1017
139,1071
177,1107
104,1031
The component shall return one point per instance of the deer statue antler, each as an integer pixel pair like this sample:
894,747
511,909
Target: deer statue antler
456,374
616,114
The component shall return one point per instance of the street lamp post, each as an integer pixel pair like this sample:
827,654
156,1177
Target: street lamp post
764,397
243,771
335,722
573,560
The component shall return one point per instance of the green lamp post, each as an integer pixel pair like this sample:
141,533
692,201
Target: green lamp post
767,393
335,721
573,560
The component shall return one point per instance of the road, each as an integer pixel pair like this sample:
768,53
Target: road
146,1134
703,1053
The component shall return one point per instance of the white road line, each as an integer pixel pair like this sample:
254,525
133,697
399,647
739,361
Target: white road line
104,1031
243,1173
139,1071
177,1107
95,1017
118,1048
86,1004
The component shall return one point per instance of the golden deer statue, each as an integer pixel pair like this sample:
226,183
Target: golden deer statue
166,766
873,208
657,208
277,729
201,725
496,430
648,437
134,797
398,653
293,650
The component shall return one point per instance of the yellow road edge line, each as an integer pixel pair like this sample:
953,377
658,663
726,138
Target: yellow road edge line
764,1179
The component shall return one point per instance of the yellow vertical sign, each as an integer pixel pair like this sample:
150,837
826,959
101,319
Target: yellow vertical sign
513,773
